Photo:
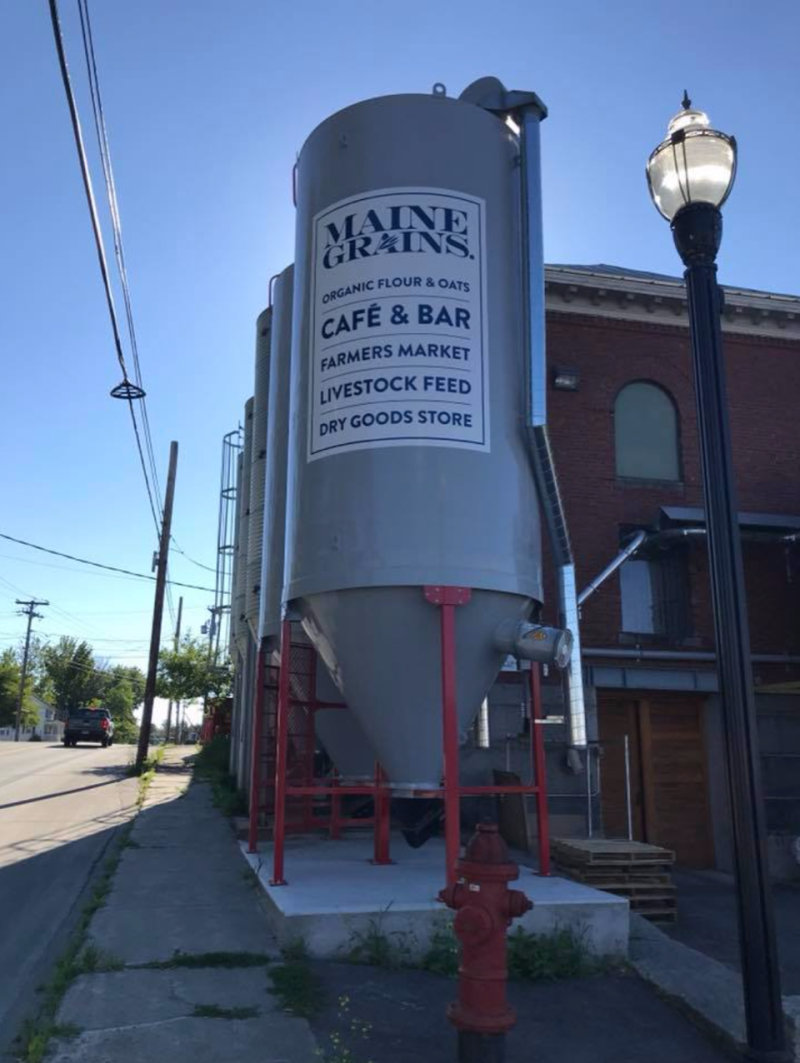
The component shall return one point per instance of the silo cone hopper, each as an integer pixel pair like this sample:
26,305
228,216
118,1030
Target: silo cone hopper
382,646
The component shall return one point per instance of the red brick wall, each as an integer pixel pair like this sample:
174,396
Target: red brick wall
764,398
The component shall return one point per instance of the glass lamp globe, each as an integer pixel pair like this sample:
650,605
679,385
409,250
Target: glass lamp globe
695,164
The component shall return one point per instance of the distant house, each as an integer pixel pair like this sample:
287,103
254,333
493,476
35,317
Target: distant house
47,727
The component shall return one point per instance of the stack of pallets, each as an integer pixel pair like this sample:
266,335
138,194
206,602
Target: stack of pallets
642,873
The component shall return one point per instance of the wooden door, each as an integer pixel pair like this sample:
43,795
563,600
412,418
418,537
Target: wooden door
668,773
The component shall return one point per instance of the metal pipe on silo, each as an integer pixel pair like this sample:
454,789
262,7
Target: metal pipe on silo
258,468
532,112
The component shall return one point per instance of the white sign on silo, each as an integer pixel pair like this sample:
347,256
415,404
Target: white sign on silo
399,354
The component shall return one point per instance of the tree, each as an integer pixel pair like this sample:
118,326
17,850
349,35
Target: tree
10,675
72,675
118,699
187,674
122,693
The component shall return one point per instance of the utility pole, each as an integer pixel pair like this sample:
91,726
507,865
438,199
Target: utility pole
29,610
177,644
158,611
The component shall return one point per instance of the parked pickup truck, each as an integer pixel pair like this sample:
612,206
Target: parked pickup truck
89,725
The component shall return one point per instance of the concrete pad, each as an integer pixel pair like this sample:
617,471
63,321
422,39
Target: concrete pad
142,935
335,893
122,998
275,1039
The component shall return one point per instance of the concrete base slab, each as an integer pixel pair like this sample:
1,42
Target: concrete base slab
334,894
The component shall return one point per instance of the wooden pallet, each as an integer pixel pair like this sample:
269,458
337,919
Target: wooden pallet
600,851
641,873
595,876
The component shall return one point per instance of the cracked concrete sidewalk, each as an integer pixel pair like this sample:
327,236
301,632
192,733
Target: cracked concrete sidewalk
179,891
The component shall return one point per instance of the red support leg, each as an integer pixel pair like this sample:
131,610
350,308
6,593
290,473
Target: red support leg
255,768
335,829
382,821
282,743
537,751
452,816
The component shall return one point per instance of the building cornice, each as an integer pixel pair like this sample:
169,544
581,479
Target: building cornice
662,300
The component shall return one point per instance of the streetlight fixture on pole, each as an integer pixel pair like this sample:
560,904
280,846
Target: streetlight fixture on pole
690,175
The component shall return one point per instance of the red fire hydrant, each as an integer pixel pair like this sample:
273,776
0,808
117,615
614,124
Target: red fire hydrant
485,907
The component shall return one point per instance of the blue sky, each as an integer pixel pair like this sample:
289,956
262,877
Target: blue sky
207,103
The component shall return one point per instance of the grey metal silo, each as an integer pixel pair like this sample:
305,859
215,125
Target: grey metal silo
339,732
407,458
258,466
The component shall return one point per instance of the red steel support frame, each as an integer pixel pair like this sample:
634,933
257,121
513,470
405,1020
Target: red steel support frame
539,771
382,826
447,598
333,789
281,749
255,764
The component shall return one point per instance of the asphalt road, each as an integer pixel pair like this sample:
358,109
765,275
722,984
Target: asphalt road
59,809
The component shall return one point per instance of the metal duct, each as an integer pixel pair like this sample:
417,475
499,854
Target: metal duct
612,567
258,471
532,112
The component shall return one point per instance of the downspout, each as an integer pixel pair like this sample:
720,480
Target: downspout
541,456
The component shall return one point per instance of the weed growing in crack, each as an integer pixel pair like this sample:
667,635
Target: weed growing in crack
208,959
297,987
212,1011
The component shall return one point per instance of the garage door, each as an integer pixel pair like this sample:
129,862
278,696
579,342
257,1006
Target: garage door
668,773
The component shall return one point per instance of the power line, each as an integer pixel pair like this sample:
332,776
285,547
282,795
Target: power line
97,564
183,553
98,237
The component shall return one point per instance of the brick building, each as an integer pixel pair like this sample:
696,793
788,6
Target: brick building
623,425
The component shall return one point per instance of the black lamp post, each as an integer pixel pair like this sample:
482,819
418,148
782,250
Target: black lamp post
690,176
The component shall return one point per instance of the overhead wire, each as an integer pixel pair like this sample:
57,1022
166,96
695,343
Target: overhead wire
98,114
181,551
104,149
97,230
96,564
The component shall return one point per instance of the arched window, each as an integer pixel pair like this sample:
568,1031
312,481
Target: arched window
646,433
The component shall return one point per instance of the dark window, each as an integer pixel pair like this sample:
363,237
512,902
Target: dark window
655,596
646,433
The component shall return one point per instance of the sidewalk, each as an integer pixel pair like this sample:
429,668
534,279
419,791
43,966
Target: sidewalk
181,974
180,895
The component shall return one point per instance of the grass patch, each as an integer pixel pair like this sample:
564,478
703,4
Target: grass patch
78,958
551,957
211,1011
151,762
298,989
210,959
212,765
441,955
377,949
94,961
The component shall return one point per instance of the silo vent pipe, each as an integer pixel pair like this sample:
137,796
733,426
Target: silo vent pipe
530,117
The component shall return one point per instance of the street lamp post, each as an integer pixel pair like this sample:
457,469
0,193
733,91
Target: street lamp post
690,175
